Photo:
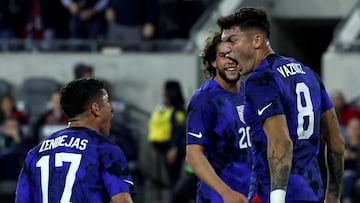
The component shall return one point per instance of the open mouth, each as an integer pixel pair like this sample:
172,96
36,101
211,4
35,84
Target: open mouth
231,69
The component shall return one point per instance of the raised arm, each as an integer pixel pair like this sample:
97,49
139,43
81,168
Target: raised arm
334,155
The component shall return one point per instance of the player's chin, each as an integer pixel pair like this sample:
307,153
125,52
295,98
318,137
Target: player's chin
234,76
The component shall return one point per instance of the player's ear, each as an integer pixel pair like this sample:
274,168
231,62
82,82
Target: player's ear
95,109
259,40
213,63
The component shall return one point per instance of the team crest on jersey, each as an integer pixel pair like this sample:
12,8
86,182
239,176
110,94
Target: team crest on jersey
240,110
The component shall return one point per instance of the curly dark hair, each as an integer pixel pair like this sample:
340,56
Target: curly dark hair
208,54
77,95
246,18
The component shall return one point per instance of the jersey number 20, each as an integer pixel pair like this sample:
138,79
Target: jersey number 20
60,158
306,110
244,141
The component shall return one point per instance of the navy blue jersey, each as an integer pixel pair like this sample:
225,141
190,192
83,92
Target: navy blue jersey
282,85
74,165
214,121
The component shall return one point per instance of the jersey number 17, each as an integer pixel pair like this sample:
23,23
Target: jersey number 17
60,158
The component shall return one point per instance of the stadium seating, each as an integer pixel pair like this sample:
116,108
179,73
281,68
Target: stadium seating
5,87
34,94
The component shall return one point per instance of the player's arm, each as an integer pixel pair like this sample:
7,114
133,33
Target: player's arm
204,171
334,155
279,155
123,197
116,175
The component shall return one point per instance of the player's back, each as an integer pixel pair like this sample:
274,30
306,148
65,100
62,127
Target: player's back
301,92
301,99
74,165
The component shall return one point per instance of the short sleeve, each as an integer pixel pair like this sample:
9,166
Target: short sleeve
200,118
116,175
326,103
262,95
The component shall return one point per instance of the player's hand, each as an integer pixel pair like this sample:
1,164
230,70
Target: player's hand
232,196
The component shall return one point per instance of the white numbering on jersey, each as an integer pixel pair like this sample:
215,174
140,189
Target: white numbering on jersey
60,158
244,141
305,110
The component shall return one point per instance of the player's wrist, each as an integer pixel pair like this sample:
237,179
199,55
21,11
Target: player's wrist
224,190
277,196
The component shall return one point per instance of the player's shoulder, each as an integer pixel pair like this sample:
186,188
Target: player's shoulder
205,92
277,66
261,75
32,152
50,137
278,61
208,87
274,61
101,139
86,133
102,144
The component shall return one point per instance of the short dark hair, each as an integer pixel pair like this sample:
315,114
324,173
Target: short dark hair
77,95
245,18
208,54
81,68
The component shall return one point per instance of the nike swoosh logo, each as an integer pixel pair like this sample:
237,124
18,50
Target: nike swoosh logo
198,135
129,181
261,111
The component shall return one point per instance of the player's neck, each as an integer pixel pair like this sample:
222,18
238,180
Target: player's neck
263,53
231,87
81,121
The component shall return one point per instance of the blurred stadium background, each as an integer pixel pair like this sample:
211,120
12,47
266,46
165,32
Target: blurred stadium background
323,34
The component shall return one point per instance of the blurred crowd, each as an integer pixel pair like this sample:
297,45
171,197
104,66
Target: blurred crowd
26,119
349,119
103,20
18,134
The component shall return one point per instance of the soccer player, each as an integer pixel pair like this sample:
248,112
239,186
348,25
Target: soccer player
79,163
286,107
217,137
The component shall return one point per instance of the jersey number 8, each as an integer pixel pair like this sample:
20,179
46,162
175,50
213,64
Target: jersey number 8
306,110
